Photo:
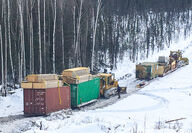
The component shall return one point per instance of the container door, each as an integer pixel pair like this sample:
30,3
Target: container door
39,102
149,72
74,95
28,101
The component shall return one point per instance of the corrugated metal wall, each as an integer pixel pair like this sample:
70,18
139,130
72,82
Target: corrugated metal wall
45,101
84,92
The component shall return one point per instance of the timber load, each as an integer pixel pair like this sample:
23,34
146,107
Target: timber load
41,77
41,81
76,75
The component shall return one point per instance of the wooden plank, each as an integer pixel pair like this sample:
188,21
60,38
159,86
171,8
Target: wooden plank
80,79
48,84
41,77
75,72
26,85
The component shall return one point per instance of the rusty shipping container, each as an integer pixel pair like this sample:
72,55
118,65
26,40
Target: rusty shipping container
45,101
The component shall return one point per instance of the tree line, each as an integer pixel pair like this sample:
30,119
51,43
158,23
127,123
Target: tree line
47,36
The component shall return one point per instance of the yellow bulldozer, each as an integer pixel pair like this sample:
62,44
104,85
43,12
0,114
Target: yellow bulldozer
108,85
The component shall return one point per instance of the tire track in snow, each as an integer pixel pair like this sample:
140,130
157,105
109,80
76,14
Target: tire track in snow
162,102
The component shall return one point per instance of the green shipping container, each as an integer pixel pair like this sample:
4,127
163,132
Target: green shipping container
84,93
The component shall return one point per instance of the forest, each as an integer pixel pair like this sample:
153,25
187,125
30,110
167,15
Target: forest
47,36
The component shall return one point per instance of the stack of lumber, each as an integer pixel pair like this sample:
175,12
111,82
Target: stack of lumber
76,75
41,81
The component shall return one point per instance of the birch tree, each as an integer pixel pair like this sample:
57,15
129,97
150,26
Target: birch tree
77,46
22,41
9,36
62,32
39,27
2,61
44,33
54,31
5,42
74,27
31,37
95,20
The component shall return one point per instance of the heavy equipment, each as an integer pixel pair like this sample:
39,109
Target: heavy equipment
171,63
146,70
164,65
177,56
108,85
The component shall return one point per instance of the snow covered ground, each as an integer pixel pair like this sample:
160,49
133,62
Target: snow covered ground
146,111
12,105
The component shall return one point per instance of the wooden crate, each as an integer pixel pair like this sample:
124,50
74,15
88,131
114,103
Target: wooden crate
41,77
75,72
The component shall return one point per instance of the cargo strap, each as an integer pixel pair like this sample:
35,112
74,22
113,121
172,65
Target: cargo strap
59,90
66,83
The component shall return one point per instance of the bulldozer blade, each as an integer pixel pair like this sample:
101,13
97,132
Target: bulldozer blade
123,89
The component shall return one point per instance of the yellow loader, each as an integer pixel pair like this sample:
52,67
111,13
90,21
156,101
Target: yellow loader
108,85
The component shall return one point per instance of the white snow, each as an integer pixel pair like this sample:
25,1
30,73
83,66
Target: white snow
12,104
145,111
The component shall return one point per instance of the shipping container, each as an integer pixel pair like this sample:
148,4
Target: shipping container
44,101
146,70
84,93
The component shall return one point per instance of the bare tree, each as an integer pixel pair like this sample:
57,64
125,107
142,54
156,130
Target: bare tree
2,61
44,33
5,42
22,62
77,45
74,27
54,30
31,37
95,20
62,32
39,24
9,36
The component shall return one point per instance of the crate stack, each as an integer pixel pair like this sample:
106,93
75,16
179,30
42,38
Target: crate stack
76,75
41,81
